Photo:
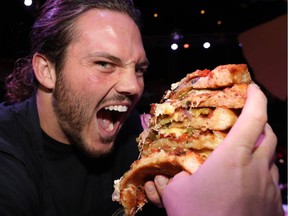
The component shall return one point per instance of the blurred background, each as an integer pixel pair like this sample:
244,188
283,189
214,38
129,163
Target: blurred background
182,36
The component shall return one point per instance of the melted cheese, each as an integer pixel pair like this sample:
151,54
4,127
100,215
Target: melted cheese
165,108
116,193
176,131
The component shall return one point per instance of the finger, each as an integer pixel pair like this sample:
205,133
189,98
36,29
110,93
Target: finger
180,175
160,183
251,121
266,144
152,193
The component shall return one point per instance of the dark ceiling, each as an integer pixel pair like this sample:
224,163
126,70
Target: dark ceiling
183,16
236,15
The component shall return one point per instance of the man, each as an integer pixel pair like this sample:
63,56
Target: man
66,104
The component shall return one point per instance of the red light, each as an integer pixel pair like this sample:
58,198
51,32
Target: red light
186,46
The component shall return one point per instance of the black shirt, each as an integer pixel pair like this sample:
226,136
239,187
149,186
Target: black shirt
47,178
75,185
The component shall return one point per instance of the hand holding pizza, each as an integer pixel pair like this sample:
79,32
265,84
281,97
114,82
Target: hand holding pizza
239,177
209,114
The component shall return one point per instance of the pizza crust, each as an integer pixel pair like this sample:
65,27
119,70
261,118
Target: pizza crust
221,76
130,189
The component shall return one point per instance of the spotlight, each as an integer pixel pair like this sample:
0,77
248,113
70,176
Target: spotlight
186,45
206,45
28,3
174,46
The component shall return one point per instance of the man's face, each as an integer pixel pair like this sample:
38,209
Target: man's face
101,80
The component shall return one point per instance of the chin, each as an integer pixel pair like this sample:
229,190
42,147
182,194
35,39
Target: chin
98,150
93,150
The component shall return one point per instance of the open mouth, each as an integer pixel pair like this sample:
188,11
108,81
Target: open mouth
110,117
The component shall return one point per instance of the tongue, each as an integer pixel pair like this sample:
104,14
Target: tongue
104,123
105,120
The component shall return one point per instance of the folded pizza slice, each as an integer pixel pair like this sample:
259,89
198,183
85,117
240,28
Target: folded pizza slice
189,122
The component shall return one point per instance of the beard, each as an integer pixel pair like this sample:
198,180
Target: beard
71,110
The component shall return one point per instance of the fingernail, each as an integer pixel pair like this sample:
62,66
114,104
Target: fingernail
150,187
161,180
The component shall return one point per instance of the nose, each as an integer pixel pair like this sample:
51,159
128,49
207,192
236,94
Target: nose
129,83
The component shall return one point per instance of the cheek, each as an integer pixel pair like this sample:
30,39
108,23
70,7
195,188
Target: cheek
97,87
101,79
94,79
93,88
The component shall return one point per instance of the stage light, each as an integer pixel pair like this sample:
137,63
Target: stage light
186,45
28,3
174,46
176,36
206,45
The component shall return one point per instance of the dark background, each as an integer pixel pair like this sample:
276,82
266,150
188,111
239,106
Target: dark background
184,18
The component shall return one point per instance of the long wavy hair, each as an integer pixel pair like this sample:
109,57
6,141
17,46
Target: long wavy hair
50,35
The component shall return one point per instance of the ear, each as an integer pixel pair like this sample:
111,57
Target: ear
44,71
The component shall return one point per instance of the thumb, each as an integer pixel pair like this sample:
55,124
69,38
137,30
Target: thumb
251,121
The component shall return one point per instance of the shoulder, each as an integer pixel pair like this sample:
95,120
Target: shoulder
18,117
20,163
20,132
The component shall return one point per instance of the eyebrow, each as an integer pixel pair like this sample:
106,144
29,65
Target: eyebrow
106,55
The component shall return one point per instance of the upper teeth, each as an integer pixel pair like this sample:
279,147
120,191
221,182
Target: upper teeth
118,108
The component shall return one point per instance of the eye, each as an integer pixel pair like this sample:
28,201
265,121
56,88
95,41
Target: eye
104,66
141,70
